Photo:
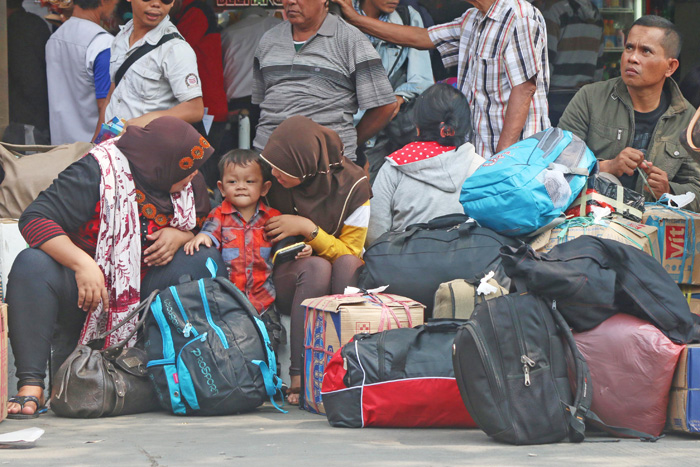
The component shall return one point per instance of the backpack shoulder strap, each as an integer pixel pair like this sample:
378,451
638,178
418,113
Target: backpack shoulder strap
405,15
140,52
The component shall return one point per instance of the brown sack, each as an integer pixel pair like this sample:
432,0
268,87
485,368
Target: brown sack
26,176
456,299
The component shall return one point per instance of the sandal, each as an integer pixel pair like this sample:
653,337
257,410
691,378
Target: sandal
22,401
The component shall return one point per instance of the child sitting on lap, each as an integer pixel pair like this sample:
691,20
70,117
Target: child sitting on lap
237,227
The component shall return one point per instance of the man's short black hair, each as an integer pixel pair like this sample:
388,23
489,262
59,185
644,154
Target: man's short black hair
672,40
88,4
244,157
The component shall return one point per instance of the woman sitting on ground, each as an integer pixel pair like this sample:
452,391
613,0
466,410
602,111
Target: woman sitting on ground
106,232
324,198
423,179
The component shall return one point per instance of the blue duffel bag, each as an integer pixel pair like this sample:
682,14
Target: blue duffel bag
526,187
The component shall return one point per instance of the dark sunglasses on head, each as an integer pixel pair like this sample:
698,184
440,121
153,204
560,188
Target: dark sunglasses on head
164,2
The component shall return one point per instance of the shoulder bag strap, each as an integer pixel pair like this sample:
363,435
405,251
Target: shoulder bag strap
140,52
143,306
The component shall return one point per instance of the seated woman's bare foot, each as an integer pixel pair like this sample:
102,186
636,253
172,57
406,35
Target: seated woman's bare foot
294,389
29,407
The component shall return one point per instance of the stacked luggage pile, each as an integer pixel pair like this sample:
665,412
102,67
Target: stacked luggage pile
559,302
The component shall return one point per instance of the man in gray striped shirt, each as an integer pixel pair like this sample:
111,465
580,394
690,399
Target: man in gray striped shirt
316,65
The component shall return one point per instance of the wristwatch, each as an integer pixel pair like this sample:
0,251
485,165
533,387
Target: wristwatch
313,235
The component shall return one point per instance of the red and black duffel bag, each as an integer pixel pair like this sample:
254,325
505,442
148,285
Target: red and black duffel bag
396,378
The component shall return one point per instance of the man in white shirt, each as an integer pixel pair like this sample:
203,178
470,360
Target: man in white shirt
77,67
165,81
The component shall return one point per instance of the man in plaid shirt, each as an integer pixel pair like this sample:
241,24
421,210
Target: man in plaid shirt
500,49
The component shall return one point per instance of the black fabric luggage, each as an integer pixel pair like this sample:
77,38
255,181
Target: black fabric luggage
416,261
593,278
510,366
208,352
396,378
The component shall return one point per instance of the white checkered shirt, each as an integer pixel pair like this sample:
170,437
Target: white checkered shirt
494,53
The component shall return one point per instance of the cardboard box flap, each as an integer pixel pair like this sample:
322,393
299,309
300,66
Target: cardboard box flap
335,303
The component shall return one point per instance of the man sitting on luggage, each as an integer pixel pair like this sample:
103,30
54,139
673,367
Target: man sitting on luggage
633,123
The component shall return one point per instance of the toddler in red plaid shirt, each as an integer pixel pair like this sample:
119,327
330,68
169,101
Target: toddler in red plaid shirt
236,227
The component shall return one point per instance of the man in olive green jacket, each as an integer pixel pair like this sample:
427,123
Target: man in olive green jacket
633,123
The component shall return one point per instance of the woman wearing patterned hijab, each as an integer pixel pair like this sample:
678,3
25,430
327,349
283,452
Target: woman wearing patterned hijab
106,232
324,198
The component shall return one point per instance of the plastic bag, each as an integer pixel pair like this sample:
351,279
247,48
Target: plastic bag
632,365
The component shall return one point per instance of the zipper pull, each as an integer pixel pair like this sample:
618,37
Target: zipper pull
345,363
554,304
527,360
203,337
619,135
526,371
187,329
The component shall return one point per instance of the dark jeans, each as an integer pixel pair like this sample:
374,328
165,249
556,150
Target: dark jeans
311,277
42,297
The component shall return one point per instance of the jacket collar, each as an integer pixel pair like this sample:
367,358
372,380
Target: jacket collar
677,105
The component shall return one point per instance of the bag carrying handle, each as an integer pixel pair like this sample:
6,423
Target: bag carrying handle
441,222
118,347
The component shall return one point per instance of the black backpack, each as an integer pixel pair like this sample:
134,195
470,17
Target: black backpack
593,279
416,261
208,352
509,361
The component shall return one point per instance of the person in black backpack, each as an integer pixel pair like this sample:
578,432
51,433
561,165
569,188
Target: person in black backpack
409,73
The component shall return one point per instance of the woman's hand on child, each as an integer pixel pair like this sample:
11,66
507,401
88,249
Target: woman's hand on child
199,239
280,227
166,242
306,252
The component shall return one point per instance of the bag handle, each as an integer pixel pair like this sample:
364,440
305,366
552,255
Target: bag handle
441,222
119,346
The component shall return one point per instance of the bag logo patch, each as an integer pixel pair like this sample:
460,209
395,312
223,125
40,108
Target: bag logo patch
206,371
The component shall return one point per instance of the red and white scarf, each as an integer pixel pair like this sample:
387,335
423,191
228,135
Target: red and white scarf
118,252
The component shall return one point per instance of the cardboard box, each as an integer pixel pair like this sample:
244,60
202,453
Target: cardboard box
692,294
678,241
333,320
640,236
684,401
3,361
11,243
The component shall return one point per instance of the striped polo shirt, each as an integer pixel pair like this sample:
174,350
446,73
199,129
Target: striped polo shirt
494,53
333,74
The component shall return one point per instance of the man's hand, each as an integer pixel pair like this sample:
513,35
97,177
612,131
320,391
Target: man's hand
399,102
624,163
166,242
91,286
347,9
657,179
280,227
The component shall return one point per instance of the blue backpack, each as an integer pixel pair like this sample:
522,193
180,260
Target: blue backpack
525,188
208,352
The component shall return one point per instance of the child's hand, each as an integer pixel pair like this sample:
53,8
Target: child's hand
306,252
193,245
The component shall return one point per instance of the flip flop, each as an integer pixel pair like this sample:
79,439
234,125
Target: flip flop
22,400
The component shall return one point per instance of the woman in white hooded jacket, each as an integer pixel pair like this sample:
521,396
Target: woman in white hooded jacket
423,179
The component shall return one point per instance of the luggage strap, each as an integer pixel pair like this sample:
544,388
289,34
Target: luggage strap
580,411
140,52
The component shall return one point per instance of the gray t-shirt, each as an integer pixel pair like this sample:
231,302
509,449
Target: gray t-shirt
333,74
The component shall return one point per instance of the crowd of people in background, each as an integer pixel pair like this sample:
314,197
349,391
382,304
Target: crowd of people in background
352,139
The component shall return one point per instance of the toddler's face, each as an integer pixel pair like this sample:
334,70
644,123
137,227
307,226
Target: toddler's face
243,185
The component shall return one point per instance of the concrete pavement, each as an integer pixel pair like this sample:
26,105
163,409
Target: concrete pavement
266,437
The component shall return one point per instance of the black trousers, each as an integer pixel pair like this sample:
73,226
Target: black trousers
42,298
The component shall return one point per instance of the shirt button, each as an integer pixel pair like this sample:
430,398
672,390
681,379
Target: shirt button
675,153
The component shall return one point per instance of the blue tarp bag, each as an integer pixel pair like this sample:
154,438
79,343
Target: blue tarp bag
208,352
525,188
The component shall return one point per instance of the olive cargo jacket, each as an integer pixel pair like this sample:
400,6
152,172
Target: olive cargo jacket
602,115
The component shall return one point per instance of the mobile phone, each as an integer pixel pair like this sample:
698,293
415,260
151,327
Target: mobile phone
288,253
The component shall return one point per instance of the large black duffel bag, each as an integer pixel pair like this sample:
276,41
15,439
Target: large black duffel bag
416,261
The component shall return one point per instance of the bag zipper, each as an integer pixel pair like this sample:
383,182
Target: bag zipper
187,390
524,358
470,326
216,328
188,326
381,355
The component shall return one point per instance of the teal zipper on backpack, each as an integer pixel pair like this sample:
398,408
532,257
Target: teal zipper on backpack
185,377
207,311
188,326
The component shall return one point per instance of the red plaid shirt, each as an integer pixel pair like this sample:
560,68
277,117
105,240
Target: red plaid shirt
245,249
